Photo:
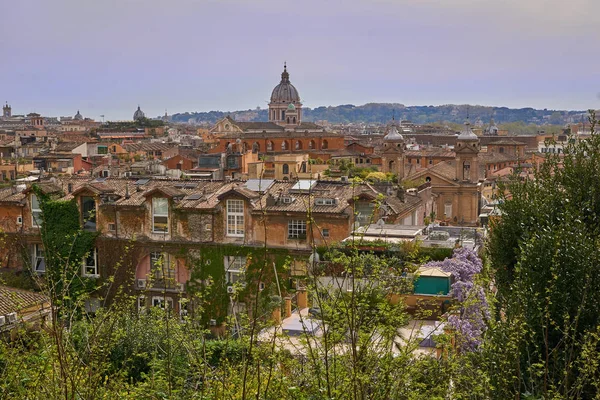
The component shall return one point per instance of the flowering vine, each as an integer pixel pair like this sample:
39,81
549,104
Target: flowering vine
469,323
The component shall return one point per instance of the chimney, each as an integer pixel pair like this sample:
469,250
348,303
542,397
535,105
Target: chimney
127,190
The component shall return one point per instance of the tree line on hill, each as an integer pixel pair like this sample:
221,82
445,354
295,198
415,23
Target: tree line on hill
381,113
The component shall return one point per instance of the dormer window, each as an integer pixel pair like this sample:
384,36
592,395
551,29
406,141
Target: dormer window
160,215
322,201
235,218
88,213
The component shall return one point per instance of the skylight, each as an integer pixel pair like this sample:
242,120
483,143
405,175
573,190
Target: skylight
303,186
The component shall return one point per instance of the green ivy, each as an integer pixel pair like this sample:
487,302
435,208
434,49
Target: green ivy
65,246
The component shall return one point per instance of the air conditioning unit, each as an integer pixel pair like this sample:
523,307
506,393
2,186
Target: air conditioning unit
344,179
2,320
19,220
12,317
141,283
213,322
230,289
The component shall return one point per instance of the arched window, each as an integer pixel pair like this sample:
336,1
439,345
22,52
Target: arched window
298,145
311,144
269,145
284,145
391,166
286,169
255,147
288,120
325,144
294,119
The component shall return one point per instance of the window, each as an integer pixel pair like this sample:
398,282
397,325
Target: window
112,227
232,162
39,261
163,269
36,212
364,212
160,215
296,229
235,218
448,210
284,145
325,232
90,264
269,146
160,301
234,268
325,144
323,201
141,303
286,169
88,213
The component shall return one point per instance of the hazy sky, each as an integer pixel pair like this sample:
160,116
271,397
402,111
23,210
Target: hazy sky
108,56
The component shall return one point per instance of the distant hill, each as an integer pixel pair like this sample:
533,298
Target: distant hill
382,113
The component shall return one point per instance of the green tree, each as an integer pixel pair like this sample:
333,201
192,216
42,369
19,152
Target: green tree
544,254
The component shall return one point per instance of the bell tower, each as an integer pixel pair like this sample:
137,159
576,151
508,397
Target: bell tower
6,111
467,150
392,156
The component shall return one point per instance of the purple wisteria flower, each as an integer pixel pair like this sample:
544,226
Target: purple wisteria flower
469,323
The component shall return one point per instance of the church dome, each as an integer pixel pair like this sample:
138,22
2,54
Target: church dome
78,116
393,135
138,114
467,134
285,92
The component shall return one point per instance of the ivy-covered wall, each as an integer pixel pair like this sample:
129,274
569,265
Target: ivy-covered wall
65,246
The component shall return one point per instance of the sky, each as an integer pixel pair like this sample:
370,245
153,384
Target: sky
104,57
